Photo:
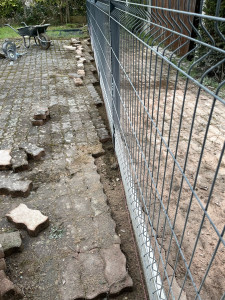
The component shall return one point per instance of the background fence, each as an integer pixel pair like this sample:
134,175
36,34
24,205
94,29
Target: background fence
161,68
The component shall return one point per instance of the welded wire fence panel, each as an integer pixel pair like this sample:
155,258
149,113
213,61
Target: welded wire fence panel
161,68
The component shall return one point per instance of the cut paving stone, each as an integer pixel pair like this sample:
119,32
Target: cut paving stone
31,220
2,264
19,160
78,82
33,151
15,187
5,159
115,269
8,291
11,242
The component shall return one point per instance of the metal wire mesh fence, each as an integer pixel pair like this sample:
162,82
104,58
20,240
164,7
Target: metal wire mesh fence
161,68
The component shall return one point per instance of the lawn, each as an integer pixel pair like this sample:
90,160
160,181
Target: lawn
54,32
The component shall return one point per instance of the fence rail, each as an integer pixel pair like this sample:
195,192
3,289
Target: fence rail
162,71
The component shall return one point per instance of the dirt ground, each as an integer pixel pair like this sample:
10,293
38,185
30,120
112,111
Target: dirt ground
167,98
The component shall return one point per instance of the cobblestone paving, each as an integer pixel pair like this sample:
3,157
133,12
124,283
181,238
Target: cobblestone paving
72,258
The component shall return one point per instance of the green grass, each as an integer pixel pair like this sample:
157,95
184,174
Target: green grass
8,33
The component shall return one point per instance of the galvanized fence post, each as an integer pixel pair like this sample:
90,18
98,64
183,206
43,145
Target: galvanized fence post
115,69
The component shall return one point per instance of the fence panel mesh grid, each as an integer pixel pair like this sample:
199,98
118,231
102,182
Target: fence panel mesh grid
161,68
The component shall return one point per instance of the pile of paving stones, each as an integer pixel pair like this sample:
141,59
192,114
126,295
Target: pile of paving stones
41,116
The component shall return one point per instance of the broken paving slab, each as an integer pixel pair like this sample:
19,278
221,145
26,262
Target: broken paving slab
19,160
33,151
15,187
5,159
11,242
31,220
8,291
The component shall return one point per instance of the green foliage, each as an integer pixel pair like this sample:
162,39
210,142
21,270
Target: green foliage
214,34
8,8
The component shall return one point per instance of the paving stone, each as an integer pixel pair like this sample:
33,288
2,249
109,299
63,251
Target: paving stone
15,187
33,151
80,66
5,159
115,269
74,41
103,135
19,160
81,72
71,287
42,114
78,81
8,291
71,48
38,122
79,52
2,264
11,242
2,255
92,274
82,60
77,56
32,220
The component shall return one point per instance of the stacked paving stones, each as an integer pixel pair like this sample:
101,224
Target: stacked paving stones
41,116
17,160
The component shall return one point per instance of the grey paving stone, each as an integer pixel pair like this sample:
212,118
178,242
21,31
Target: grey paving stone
15,187
33,151
11,242
19,160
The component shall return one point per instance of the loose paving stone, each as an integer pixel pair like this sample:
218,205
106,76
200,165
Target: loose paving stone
8,291
103,135
33,151
81,72
15,187
38,122
11,242
78,81
42,114
19,160
32,220
2,264
5,159
71,48
115,269
80,66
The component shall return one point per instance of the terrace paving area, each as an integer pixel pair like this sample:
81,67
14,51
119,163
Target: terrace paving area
79,255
